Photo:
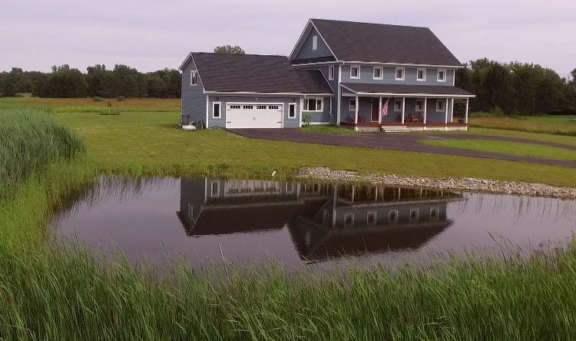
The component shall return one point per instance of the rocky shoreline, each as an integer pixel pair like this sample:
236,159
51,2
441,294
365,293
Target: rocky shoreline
455,184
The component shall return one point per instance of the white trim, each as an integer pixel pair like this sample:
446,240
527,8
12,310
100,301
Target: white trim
392,94
401,64
315,63
324,40
319,123
453,77
240,93
359,70
452,109
438,75
219,111
255,103
403,109
446,114
380,109
357,109
299,39
315,42
294,106
467,109
403,73
300,110
424,71
425,110
315,99
193,75
331,72
207,107
381,68
339,104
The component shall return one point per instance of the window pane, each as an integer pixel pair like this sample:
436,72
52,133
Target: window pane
311,104
318,104
216,109
291,110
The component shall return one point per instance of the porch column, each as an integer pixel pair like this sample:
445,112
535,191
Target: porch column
452,109
446,116
380,110
425,110
467,107
356,112
403,108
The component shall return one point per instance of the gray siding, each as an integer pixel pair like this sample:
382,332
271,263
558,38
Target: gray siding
323,116
193,98
221,122
306,50
389,76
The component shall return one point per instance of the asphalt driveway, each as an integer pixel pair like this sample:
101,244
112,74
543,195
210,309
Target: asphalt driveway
402,142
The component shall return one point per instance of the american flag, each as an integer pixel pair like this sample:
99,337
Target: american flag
385,108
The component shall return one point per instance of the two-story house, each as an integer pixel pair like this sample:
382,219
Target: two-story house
361,75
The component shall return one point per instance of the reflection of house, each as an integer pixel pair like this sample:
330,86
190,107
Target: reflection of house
324,220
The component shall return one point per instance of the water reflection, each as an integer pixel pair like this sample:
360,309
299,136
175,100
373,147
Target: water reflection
254,221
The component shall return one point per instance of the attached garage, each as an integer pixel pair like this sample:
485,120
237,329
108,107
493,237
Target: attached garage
254,115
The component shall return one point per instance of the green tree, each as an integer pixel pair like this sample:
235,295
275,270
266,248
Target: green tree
229,49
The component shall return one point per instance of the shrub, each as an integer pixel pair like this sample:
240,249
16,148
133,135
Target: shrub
97,99
307,119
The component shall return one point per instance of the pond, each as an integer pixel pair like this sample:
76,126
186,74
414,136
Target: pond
304,225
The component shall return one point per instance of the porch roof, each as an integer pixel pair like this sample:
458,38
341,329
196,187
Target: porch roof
403,90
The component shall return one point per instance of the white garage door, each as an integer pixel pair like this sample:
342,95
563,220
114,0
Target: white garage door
252,115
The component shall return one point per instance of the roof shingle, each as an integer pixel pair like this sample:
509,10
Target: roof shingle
400,89
365,42
256,73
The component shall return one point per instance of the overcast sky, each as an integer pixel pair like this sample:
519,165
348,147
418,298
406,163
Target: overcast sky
151,35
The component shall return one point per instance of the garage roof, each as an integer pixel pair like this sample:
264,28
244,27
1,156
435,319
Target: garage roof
256,74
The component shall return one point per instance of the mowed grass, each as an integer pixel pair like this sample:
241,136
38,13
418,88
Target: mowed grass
90,105
562,125
148,143
504,147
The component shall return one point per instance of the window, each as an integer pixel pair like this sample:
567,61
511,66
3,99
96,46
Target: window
216,110
261,107
441,75
235,107
397,105
314,42
250,107
274,107
215,189
349,219
331,73
313,104
377,72
434,213
440,105
352,104
355,72
419,105
421,74
193,78
399,73
292,110
371,218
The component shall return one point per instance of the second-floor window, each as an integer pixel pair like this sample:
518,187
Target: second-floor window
313,104
314,42
377,72
399,73
355,72
441,76
193,77
331,73
421,74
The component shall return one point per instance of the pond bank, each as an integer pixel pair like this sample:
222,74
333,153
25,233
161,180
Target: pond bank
454,184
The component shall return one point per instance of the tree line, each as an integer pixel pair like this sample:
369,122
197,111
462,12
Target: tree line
517,88
97,81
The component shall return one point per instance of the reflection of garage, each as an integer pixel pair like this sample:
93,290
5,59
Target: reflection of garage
254,115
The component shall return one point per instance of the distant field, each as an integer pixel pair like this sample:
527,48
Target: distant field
562,125
81,105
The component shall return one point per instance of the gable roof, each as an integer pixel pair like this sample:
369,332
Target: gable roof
256,74
366,42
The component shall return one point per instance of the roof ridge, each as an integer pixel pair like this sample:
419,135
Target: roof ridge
240,55
368,23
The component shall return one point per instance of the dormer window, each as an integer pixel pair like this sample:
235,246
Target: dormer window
193,78
421,74
441,75
355,72
377,72
314,42
331,73
399,72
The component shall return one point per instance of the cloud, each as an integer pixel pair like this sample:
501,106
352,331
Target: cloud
151,35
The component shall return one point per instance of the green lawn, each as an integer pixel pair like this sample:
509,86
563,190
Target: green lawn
503,147
150,143
561,125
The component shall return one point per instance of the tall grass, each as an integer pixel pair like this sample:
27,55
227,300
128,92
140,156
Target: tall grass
29,140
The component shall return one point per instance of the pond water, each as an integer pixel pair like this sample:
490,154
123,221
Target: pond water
303,225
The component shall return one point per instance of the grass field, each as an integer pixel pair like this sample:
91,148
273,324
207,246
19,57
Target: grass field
562,125
53,293
509,148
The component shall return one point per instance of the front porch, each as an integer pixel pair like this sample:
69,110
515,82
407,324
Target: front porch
395,111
